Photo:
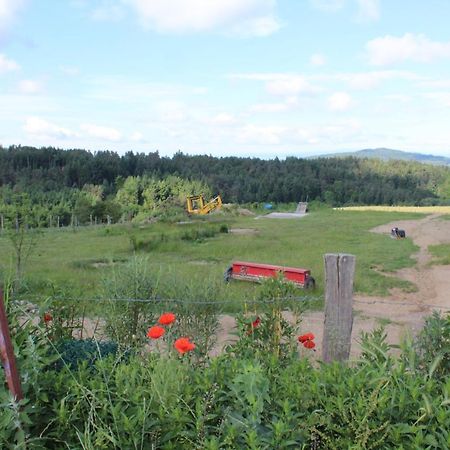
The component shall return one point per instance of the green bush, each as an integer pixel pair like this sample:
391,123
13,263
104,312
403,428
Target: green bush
73,352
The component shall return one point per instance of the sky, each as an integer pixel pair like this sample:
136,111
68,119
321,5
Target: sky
259,78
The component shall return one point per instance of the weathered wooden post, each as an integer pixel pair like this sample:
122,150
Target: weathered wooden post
7,354
338,322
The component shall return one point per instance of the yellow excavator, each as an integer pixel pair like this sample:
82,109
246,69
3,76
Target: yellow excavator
196,204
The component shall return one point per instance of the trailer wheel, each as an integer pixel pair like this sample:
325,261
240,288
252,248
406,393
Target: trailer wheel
310,283
227,274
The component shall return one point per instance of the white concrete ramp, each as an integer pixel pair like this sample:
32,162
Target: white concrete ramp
300,212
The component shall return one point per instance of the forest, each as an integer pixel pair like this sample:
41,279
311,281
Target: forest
49,184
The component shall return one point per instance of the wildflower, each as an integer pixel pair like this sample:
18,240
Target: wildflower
47,317
155,332
166,318
183,345
306,337
255,324
307,340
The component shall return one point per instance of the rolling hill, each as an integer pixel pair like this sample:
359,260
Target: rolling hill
387,154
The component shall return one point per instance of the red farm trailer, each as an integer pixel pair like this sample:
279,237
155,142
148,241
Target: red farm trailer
249,271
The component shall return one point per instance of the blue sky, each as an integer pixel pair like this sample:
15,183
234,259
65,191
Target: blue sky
226,77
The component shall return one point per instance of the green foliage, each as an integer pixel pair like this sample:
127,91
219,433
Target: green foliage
267,332
126,321
433,346
155,401
144,197
32,353
73,352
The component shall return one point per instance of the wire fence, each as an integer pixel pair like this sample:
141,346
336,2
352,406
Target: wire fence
162,300
222,302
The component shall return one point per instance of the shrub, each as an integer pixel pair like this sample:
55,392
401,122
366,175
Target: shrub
433,345
73,352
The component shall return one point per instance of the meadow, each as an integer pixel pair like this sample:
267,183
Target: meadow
194,254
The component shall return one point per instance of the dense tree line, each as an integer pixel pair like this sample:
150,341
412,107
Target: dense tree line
78,180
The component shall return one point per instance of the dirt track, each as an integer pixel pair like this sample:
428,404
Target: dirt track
402,313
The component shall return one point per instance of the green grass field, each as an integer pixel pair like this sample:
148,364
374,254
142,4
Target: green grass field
78,259
441,254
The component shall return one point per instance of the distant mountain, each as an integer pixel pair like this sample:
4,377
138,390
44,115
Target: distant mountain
387,153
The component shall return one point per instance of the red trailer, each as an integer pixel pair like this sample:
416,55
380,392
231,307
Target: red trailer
249,271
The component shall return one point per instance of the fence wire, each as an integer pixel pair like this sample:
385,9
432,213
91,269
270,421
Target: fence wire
156,300
221,302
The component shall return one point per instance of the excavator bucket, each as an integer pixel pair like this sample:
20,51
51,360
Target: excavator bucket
196,204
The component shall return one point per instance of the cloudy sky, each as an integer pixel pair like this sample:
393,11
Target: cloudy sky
226,77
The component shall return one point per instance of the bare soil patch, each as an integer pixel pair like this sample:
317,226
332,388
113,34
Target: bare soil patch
243,231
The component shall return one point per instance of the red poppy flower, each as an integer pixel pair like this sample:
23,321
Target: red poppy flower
155,332
255,324
166,318
183,345
309,344
47,317
306,337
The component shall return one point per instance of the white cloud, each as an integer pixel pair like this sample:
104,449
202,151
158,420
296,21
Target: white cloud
41,128
171,111
328,5
259,27
137,137
255,17
72,71
317,60
223,119
6,64
398,98
435,84
261,134
100,132
370,80
122,89
288,85
339,101
8,10
368,10
442,98
389,50
269,107
30,87
280,84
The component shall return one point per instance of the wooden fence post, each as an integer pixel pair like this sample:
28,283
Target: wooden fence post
7,354
338,322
